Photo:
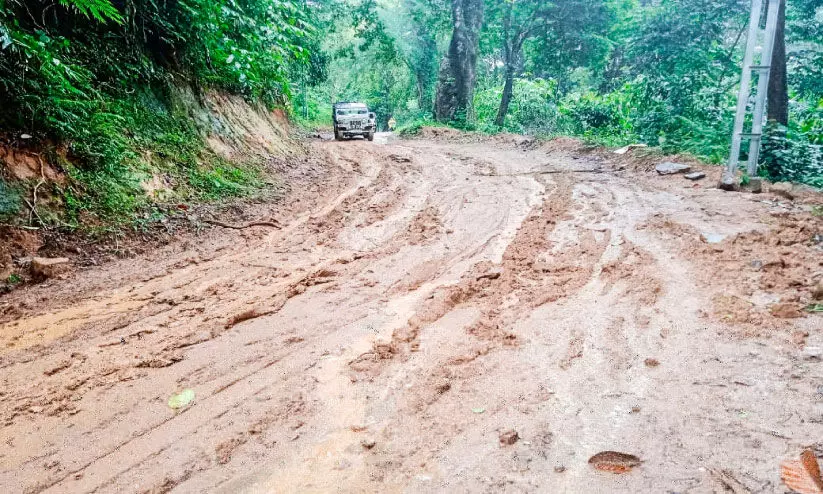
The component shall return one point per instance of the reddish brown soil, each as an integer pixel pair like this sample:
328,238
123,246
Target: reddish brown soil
449,314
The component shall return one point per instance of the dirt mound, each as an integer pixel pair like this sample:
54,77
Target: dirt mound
758,277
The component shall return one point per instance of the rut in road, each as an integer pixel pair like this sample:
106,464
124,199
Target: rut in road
429,298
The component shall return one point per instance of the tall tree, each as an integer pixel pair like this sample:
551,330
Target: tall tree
423,23
458,70
778,94
518,21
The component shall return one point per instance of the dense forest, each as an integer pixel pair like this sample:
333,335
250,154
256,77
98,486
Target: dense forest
104,78
659,72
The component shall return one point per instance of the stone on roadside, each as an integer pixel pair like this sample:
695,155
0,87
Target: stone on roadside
669,168
695,175
817,291
49,267
786,311
728,182
509,437
813,353
755,185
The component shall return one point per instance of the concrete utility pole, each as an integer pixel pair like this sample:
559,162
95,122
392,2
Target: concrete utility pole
765,46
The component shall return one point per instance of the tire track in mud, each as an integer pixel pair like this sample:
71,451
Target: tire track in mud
211,323
546,330
527,277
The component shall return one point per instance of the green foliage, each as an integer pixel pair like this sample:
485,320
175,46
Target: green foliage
100,77
100,10
792,155
534,107
413,127
10,201
224,180
14,279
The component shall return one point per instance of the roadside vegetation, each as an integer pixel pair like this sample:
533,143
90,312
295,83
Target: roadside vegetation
111,94
663,73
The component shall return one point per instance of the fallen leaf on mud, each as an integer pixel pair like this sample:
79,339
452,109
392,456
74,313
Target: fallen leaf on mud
478,410
181,399
614,461
803,475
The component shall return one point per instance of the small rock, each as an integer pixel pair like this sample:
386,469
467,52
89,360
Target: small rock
25,136
757,264
783,189
560,469
755,185
635,409
813,353
799,337
817,291
368,443
651,362
509,437
669,168
44,267
728,182
695,175
786,311
491,274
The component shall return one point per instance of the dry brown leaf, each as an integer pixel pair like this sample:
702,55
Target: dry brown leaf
803,475
614,461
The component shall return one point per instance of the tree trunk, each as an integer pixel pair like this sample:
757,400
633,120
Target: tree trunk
424,66
458,70
508,91
778,94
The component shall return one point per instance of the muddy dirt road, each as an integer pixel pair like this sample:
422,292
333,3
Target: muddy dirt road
421,303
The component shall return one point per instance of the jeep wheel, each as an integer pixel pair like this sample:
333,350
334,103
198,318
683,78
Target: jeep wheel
337,136
371,136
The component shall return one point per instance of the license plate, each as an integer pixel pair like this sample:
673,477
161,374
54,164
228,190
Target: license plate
355,125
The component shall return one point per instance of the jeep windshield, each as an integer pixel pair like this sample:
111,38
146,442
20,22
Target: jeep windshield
352,111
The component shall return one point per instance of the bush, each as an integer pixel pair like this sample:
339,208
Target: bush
792,155
605,119
10,201
102,81
533,109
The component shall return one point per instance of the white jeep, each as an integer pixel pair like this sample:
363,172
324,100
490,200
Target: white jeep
353,119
